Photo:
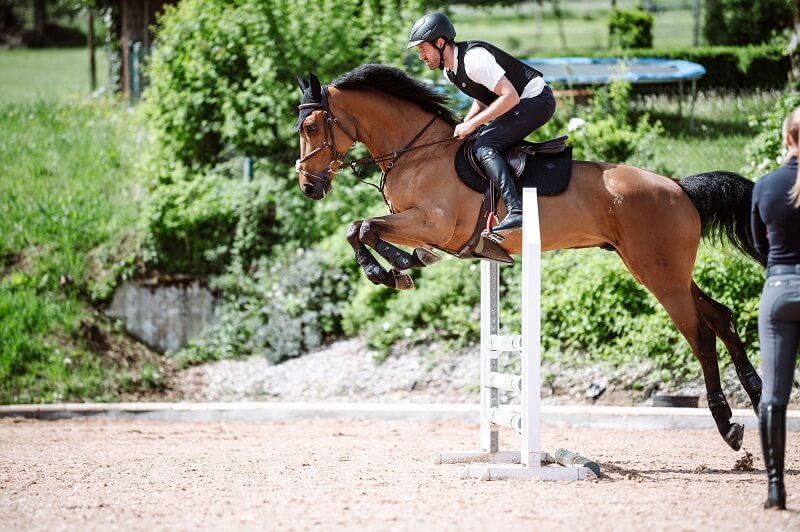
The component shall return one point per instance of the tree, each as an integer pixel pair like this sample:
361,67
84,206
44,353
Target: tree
794,45
8,18
742,22
39,17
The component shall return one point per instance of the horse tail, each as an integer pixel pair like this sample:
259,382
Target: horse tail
723,201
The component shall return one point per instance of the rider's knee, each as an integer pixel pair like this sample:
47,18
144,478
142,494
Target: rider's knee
486,153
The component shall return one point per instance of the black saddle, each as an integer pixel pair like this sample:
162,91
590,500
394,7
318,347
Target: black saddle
545,165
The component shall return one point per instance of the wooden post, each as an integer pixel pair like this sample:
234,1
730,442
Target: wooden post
39,16
90,39
794,46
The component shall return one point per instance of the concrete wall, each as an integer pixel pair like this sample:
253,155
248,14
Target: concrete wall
163,316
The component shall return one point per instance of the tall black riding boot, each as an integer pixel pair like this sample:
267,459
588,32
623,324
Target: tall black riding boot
772,425
497,170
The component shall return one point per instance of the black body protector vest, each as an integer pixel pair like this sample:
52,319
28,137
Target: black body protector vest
517,72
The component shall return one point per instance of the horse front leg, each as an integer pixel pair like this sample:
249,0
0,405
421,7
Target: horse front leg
411,228
402,260
397,280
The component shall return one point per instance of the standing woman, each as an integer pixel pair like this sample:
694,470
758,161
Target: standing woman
776,231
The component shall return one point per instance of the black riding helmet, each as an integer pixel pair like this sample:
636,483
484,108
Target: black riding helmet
431,27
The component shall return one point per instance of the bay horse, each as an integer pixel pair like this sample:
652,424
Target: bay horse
654,223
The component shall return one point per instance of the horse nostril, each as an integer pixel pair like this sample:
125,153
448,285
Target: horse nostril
308,189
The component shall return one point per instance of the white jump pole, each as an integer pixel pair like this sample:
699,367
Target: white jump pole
490,463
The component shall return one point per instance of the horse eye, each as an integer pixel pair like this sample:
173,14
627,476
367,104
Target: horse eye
311,128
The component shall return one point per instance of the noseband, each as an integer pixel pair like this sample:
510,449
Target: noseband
330,142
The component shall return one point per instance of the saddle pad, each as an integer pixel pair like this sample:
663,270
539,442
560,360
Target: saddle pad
548,173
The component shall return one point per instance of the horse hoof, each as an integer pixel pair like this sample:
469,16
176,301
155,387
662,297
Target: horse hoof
402,281
735,436
426,256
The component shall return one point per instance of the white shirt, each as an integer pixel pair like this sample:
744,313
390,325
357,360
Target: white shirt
482,68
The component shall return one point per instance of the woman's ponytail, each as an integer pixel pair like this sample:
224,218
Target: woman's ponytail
791,126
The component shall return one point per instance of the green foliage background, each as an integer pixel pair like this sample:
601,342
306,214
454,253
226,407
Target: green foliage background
742,22
65,209
223,87
630,28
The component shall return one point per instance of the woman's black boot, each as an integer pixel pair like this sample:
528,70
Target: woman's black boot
772,424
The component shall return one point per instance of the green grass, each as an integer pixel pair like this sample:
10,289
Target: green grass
50,74
718,136
529,29
66,190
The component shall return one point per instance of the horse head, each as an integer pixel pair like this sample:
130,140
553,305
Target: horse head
320,159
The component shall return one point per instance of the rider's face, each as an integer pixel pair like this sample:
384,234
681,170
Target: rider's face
429,55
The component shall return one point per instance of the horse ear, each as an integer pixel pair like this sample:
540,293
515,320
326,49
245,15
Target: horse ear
316,88
303,83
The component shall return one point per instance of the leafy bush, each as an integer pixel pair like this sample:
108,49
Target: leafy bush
764,151
441,308
196,225
223,76
222,86
594,310
606,132
742,22
288,305
630,28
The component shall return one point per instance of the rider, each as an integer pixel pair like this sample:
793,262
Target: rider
505,91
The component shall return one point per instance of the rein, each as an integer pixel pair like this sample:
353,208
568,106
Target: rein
330,142
393,158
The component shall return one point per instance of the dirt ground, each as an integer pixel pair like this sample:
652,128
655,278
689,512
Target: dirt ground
335,474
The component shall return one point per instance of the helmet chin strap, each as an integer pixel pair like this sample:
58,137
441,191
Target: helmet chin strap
441,56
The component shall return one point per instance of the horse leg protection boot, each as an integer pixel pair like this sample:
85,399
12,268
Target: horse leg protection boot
772,426
497,170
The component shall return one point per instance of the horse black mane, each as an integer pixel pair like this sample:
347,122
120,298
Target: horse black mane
397,83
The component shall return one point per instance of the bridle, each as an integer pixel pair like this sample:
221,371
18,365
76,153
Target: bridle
329,142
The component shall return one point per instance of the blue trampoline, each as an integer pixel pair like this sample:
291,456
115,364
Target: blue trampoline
601,71
582,71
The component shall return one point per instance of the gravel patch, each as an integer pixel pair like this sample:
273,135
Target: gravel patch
347,370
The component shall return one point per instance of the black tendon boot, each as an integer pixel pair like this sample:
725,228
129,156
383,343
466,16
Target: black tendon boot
497,170
772,426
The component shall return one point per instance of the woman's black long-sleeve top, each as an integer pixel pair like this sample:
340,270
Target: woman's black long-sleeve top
775,221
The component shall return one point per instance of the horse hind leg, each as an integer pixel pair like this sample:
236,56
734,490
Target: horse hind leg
732,433
720,319
702,340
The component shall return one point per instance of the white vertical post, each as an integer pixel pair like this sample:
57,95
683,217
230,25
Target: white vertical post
490,320
531,331
489,463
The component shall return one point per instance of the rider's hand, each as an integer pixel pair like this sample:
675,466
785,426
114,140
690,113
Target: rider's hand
464,129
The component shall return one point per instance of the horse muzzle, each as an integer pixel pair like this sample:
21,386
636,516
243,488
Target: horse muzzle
313,186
